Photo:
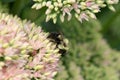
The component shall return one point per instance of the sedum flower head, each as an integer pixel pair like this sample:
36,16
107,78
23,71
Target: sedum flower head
25,51
81,9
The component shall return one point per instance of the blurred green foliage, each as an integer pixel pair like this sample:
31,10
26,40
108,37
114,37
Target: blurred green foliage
3,7
111,26
93,46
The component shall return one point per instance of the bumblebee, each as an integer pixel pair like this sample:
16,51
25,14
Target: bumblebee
60,41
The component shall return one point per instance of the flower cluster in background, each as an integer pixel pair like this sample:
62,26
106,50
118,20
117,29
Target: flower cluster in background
25,51
81,9
91,57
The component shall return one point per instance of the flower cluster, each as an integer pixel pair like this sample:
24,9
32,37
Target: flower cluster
91,55
25,51
81,9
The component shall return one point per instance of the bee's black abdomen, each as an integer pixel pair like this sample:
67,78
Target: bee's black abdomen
57,38
62,51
